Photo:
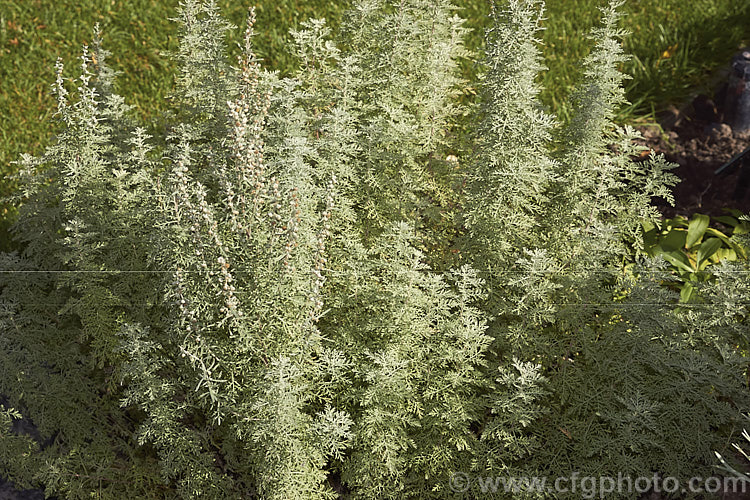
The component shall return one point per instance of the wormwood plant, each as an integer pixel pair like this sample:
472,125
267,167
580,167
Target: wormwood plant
628,378
242,309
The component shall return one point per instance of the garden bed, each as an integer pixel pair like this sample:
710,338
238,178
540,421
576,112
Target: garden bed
699,144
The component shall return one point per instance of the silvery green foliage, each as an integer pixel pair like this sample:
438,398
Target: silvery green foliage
640,347
242,309
84,270
406,106
407,332
206,263
203,82
416,347
512,169
612,349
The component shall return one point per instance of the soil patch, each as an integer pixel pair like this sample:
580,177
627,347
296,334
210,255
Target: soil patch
698,140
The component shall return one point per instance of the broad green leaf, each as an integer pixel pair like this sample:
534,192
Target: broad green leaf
650,241
727,220
739,249
678,221
706,250
733,212
674,240
679,260
687,292
696,229
715,232
724,254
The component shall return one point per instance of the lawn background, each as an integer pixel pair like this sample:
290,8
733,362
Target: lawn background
678,49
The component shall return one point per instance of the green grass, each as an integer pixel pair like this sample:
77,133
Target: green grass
699,37
676,47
